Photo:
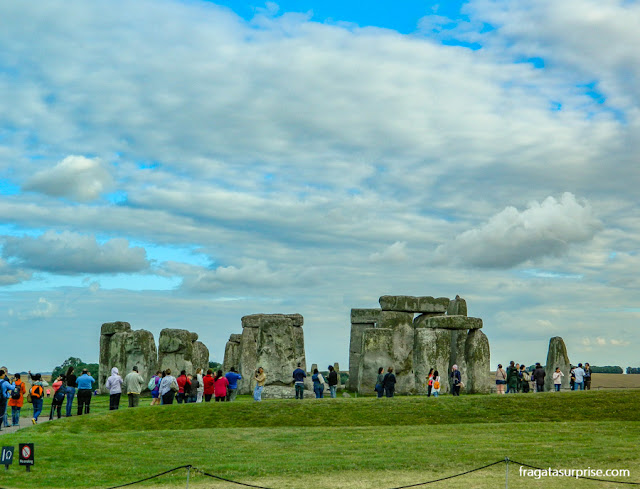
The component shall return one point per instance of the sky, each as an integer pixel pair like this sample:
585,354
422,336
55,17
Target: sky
181,164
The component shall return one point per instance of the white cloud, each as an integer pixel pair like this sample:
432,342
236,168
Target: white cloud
394,253
76,177
512,237
10,275
43,310
73,253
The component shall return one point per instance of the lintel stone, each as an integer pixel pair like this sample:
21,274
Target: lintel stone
448,322
406,303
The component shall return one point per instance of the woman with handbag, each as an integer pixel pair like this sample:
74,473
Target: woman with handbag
501,379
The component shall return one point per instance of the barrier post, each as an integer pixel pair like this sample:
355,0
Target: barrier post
188,473
506,477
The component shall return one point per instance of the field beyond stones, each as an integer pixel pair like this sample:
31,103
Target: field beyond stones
339,443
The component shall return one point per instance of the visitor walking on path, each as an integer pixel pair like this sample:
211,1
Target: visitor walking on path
501,379
389,383
59,392
37,395
114,385
17,399
456,381
134,383
6,386
333,381
85,389
298,379
261,378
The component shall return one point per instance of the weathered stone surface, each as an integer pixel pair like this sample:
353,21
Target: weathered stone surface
285,392
405,303
274,342
232,352
458,341
432,350
476,354
364,316
123,348
457,307
178,349
255,320
448,322
355,352
377,352
557,357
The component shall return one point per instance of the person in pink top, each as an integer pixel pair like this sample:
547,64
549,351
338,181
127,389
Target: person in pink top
220,387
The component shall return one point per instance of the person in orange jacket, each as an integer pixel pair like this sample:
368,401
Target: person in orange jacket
17,400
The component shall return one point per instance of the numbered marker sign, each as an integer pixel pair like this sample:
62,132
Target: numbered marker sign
6,457
26,454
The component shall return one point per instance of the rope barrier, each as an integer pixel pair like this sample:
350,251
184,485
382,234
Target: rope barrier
244,484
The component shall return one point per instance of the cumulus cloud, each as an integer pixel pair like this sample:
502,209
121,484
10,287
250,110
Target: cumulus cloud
70,253
43,310
394,253
75,177
512,237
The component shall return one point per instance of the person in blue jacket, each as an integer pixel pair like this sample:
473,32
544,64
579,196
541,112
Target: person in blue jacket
298,378
6,386
85,390
232,389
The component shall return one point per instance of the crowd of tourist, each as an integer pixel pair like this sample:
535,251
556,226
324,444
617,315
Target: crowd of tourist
516,378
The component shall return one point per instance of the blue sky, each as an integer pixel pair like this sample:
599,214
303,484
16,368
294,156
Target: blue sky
183,164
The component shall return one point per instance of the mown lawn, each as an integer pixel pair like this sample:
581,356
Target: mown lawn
348,443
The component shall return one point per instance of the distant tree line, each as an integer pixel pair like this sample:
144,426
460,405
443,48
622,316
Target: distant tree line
633,370
608,369
78,365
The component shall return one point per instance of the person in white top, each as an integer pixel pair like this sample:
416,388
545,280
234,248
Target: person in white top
557,379
200,390
435,390
579,373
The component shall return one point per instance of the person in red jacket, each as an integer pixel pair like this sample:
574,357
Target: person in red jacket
183,382
220,387
208,381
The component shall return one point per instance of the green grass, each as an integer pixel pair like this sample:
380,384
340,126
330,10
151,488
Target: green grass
348,443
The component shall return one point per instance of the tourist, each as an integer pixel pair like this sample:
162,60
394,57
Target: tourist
572,378
182,382
429,382
298,378
154,385
6,386
208,382
200,389
114,386
85,387
539,375
233,377
389,383
71,389
557,379
16,399
59,391
134,384
220,387
524,377
37,395
501,379
512,378
168,387
380,383
587,377
456,380
191,389
260,378
333,381
579,374
318,384
435,391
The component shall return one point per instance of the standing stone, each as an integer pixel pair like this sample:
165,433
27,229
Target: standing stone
377,351
457,307
124,348
232,352
361,319
458,357
432,350
557,357
476,352
401,348
179,350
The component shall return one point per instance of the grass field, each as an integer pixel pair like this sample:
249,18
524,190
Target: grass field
339,443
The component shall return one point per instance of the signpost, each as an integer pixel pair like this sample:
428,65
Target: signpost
26,455
6,457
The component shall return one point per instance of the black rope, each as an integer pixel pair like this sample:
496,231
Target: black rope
152,477
450,476
581,477
228,480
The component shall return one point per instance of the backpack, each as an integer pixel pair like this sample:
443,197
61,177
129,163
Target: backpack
152,384
436,384
36,392
15,393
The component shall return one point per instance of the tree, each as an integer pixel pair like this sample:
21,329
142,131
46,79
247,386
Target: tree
215,366
78,365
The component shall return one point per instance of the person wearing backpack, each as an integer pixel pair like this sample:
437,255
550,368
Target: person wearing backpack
154,387
17,400
37,395
435,389
60,388
6,387
85,389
